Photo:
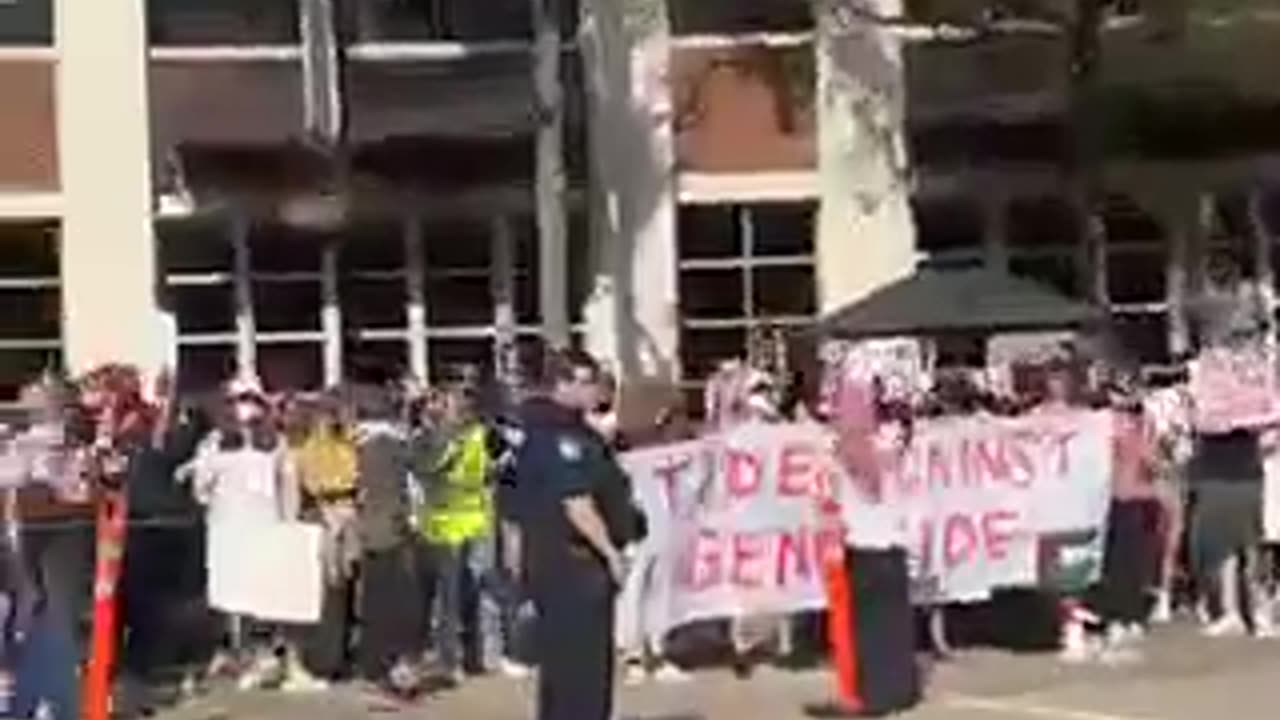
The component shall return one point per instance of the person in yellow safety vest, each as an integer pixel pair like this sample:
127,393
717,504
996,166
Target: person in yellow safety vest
457,521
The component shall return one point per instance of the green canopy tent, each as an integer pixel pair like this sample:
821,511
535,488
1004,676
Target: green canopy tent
943,301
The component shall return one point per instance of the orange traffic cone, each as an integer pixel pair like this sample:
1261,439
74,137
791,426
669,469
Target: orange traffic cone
842,638
112,514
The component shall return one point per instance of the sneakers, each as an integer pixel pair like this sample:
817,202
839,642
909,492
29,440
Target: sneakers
669,674
250,679
1119,644
260,672
1132,633
1225,626
634,673
189,688
223,663
404,677
1076,646
301,681
511,669
1162,612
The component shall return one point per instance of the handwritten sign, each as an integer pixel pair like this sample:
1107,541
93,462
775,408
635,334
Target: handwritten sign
734,526
1234,387
271,572
898,363
973,496
737,525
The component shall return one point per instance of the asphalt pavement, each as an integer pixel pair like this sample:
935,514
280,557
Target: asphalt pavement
1182,676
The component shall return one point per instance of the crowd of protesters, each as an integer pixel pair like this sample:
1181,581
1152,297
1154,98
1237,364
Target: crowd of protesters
425,550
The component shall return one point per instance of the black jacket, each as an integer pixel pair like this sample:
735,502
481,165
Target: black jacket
559,457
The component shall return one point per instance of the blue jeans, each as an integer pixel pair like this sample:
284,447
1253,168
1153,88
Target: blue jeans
46,667
469,597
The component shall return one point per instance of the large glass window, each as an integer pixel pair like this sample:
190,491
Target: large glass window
948,224
426,20
26,22
1044,237
372,274
741,267
458,275
461,290
30,304
737,16
197,260
222,22
1040,222
287,280
287,297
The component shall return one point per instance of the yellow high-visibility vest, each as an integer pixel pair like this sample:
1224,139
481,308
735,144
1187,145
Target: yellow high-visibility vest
460,508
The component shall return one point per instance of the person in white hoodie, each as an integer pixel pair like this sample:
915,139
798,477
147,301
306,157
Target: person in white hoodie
244,477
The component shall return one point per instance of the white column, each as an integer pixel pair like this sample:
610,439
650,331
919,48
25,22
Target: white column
631,313
242,293
865,230
416,297
109,279
551,182
502,288
331,314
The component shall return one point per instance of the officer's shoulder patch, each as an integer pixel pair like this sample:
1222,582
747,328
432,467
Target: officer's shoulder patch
513,436
570,449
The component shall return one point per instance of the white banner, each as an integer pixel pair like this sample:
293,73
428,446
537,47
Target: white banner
736,527
973,496
268,572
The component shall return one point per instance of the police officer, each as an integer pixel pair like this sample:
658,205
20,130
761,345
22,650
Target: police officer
577,515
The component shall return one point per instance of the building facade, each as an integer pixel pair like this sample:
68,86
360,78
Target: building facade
163,199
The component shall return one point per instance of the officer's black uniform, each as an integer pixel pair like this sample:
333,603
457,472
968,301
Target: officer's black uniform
561,457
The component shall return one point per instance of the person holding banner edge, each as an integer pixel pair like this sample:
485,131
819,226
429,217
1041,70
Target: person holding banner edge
1231,322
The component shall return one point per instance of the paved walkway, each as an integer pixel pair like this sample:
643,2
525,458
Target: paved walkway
1184,677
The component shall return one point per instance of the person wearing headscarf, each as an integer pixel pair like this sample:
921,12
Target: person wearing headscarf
246,480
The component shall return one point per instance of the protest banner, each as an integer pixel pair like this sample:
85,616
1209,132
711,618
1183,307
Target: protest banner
899,364
1234,387
736,526
1009,350
974,496
271,573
